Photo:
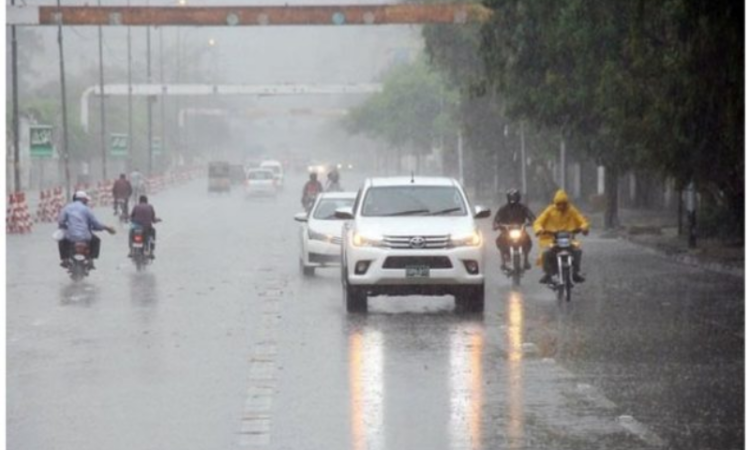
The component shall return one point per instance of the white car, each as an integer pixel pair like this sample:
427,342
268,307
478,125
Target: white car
320,233
278,171
260,182
412,236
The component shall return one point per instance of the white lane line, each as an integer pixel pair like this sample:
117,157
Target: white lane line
257,415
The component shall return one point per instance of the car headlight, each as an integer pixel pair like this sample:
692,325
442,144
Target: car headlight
361,240
515,234
473,239
316,236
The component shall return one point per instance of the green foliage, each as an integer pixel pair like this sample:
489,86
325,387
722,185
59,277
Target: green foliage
413,109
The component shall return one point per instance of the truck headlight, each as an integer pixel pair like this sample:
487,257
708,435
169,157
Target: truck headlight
315,236
361,240
473,239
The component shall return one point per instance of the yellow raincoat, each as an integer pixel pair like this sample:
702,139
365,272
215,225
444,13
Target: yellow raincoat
553,220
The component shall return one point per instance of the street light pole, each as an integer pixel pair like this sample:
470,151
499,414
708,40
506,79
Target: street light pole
16,125
66,154
103,126
149,103
131,155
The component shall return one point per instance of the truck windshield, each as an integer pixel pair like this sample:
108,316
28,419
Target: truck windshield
413,201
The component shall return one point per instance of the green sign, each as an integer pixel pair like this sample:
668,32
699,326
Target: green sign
41,141
156,146
118,145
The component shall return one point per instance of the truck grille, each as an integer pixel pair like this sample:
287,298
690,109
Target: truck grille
413,242
433,262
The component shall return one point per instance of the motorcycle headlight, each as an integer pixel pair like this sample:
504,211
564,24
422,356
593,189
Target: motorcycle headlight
361,240
473,239
515,234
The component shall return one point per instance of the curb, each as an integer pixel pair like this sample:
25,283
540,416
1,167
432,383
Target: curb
689,260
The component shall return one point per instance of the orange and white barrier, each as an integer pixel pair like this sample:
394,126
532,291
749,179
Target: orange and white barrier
17,219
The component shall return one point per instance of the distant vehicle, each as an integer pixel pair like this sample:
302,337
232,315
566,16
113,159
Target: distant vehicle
412,236
260,182
237,173
320,233
219,179
278,171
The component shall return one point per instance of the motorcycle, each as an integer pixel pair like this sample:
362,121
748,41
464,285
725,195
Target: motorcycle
516,235
562,248
140,247
79,263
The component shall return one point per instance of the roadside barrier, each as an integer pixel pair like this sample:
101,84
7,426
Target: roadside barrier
17,219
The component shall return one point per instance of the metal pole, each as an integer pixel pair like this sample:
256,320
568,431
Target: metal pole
149,104
562,164
66,154
460,157
103,126
16,124
523,164
163,97
131,155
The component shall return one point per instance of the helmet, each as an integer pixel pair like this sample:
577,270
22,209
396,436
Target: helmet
313,176
513,196
81,195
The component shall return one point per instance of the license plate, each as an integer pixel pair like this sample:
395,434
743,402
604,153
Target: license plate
417,272
137,245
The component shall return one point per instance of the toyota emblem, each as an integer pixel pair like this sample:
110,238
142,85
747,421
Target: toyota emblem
417,242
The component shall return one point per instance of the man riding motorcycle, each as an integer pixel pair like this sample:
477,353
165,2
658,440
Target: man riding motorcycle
121,190
144,216
560,216
78,222
514,213
311,190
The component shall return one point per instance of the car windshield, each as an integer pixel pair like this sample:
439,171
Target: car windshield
273,168
413,201
326,209
259,175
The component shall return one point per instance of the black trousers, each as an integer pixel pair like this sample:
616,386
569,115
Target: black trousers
65,247
550,262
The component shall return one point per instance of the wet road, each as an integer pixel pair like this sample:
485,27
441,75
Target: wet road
222,344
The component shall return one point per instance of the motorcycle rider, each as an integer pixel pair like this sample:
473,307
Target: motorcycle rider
332,184
560,216
122,190
78,222
513,213
311,190
143,215
136,180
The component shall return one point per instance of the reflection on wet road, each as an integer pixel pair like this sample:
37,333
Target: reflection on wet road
516,412
230,347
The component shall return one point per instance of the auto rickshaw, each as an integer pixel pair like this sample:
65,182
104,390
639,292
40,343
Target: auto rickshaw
219,179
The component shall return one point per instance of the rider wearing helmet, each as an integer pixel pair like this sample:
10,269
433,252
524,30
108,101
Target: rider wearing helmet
311,190
78,222
517,214
560,216
332,184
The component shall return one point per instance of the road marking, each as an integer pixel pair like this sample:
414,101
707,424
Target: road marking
257,416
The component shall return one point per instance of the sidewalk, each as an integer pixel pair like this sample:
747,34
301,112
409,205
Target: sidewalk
657,232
